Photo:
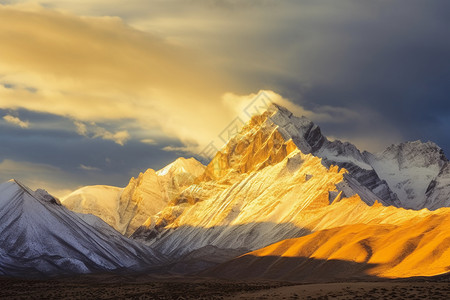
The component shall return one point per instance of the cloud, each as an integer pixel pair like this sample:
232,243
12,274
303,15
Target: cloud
241,103
183,149
148,141
119,137
16,121
99,69
81,128
89,168
94,131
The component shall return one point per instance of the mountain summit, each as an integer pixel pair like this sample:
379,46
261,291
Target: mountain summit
403,175
270,137
41,237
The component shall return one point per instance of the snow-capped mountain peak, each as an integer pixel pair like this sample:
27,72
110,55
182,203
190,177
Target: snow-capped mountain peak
414,154
41,237
304,133
183,165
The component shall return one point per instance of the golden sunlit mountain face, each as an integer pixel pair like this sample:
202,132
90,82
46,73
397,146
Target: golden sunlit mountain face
419,247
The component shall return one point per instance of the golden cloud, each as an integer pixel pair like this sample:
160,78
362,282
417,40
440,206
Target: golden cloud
100,69
16,121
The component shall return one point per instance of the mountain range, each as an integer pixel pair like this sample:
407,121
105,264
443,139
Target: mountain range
278,201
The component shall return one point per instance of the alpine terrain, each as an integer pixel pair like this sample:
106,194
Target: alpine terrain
280,178
278,201
40,237
127,208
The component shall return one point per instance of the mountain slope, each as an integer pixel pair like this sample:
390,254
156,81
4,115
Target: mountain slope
41,237
127,208
419,247
409,168
438,191
99,200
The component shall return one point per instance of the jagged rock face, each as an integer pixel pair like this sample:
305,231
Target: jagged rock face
271,136
259,144
399,176
127,208
409,169
178,175
142,197
414,154
309,139
292,198
40,237
364,178
438,191
304,133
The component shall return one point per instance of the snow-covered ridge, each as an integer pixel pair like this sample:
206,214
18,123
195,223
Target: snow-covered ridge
308,138
183,165
401,175
41,237
438,191
409,168
127,208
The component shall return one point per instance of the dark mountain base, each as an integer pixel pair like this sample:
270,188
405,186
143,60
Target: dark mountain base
139,286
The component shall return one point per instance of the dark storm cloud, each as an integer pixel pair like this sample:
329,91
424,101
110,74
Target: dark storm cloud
397,65
388,60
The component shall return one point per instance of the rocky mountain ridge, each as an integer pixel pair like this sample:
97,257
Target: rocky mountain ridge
40,237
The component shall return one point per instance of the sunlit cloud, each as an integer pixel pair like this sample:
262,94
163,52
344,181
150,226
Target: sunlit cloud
89,168
81,128
94,131
106,71
149,141
181,149
16,121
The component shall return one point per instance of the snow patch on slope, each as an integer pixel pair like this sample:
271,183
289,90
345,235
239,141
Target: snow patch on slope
409,168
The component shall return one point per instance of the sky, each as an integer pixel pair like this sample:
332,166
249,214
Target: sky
94,92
